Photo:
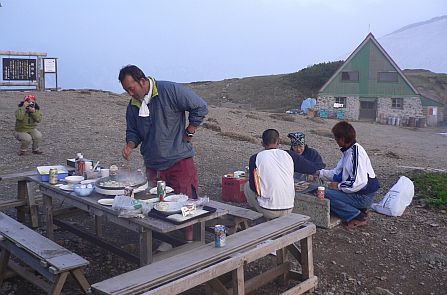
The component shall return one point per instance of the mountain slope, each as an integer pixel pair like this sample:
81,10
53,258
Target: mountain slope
420,45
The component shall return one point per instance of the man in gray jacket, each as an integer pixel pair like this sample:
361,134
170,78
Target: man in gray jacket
156,117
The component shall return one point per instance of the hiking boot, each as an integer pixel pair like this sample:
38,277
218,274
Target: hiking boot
21,153
37,152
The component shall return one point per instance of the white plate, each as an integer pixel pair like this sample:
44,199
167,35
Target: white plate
150,201
106,202
66,187
168,208
153,191
176,198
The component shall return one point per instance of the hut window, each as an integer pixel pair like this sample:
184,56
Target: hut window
387,77
340,102
397,103
350,76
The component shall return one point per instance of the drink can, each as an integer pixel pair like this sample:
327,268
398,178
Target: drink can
219,236
161,190
52,176
320,192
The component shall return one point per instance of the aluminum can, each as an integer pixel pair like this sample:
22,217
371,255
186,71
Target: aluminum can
320,192
161,190
219,236
52,176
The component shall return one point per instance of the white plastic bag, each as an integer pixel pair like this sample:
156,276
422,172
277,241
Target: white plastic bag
397,199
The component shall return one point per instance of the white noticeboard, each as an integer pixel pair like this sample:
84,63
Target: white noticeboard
49,65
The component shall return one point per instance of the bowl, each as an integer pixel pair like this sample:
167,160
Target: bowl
74,179
83,190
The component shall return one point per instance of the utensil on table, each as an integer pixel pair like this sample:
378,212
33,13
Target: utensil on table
96,165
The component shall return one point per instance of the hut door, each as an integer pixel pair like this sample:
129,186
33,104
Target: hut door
367,110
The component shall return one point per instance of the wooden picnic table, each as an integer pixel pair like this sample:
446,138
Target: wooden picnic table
145,227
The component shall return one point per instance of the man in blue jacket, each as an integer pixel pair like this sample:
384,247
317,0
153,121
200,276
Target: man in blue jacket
156,117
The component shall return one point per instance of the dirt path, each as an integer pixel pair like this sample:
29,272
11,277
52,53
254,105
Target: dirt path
404,255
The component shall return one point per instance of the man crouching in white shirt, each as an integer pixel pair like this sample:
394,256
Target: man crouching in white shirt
270,189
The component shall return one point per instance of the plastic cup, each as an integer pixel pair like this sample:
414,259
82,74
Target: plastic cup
88,166
105,172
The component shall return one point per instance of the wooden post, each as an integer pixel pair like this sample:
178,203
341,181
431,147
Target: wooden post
238,281
307,263
4,258
22,195
48,205
99,225
145,246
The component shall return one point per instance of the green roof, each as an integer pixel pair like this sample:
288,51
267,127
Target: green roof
427,102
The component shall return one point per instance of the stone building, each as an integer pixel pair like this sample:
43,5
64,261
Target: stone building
370,86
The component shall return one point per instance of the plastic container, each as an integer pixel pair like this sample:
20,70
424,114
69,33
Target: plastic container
45,170
233,189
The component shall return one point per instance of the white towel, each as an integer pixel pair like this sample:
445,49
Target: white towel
144,110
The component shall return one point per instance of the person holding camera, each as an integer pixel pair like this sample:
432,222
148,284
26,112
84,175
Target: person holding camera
28,115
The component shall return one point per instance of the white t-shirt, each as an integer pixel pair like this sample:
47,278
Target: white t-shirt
275,172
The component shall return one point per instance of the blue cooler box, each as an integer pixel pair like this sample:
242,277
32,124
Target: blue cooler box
44,172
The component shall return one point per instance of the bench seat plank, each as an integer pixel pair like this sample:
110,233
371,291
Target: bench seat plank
237,211
44,256
38,245
233,263
162,271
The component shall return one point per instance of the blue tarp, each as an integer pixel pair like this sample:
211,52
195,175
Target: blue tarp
307,104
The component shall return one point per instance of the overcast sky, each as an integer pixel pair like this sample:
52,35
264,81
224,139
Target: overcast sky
197,40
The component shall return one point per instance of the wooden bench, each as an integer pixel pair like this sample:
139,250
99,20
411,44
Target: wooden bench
25,201
51,260
207,264
237,217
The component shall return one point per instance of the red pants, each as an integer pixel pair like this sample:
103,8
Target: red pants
182,177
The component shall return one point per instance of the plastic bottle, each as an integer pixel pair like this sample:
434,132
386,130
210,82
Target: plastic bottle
76,162
80,165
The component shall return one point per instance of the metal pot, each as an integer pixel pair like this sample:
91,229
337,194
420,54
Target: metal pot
115,184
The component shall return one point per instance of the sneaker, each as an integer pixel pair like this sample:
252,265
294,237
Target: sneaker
37,152
357,223
21,153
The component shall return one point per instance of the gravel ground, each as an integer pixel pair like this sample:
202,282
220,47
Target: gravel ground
392,255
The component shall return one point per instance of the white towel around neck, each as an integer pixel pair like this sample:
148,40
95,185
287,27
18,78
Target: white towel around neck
144,109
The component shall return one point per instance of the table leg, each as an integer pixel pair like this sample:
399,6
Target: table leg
48,206
4,258
238,281
199,232
307,262
99,225
22,195
32,204
145,246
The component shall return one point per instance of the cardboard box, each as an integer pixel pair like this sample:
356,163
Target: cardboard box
44,172
233,189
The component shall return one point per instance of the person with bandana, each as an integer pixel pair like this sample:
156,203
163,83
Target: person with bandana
270,189
353,183
156,117
28,115
299,146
